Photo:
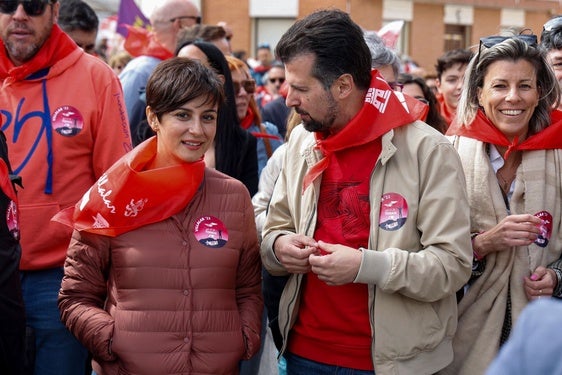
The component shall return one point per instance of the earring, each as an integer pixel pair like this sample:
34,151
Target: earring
154,126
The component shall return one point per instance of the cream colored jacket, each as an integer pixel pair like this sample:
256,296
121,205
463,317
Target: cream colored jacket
413,270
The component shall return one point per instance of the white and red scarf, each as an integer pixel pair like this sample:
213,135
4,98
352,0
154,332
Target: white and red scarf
381,112
131,194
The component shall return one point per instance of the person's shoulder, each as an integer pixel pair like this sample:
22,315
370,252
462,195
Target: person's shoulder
96,64
272,129
140,65
142,61
299,133
421,132
219,181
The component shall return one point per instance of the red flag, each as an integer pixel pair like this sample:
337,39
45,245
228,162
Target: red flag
140,42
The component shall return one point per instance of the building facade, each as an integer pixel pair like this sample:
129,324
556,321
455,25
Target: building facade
431,27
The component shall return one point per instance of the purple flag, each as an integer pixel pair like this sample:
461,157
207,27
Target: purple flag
130,14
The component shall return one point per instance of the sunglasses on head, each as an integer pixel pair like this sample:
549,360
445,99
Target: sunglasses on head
490,41
249,86
33,8
552,24
280,80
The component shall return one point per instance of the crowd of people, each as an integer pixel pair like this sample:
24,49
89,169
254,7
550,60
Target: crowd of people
175,209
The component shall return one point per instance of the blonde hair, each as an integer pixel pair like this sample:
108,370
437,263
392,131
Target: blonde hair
120,58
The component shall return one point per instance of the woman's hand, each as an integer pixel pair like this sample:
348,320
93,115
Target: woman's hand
513,230
541,283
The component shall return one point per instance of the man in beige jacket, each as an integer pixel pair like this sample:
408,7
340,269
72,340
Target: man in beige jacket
369,216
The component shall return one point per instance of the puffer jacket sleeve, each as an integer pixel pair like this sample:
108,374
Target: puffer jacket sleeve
83,293
248,288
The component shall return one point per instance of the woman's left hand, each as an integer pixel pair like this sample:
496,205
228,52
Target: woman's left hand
540,283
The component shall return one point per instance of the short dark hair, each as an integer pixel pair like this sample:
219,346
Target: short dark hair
205,33
552,38
434,117
450,58
77,15
335,41
177,81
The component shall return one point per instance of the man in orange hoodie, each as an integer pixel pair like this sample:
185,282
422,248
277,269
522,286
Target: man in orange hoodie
64,117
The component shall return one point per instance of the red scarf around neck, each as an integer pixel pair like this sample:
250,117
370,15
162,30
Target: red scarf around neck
57,46
484,130
249,120
444,110
129,195
381,112
141,42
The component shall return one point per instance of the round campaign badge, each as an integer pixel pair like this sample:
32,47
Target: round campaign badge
394,211
67,121
211,232
545,228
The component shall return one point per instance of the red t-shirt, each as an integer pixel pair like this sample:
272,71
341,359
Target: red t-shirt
333,321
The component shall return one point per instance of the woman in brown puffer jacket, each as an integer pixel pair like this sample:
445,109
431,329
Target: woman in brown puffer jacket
162,275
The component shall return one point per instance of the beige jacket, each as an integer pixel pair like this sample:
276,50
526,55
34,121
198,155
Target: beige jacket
538,187
412,271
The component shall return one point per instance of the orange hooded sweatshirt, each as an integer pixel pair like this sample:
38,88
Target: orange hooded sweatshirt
65,121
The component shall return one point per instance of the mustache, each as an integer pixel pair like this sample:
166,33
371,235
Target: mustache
301,112
19,26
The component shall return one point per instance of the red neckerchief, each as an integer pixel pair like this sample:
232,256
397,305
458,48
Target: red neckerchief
141,42
381,113
129,195
484,130
248,120
57,46
444,110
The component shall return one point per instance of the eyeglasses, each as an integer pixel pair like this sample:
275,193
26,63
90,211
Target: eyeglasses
490,41
249,86
196,18
280,80
552,24
33,8
396,86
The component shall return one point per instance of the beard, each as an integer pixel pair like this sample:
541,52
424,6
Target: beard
324,125
21,51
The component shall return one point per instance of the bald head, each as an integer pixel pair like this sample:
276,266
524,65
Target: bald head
169,17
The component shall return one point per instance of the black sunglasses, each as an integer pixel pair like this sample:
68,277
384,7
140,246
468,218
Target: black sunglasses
196,18
33,8
490,41
249,86
280,80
